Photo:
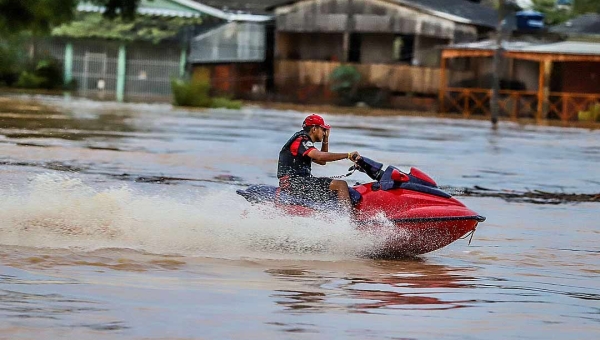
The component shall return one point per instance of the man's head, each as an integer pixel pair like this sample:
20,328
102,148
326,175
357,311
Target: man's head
315,126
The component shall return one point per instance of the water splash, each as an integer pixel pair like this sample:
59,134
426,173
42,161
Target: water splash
59,211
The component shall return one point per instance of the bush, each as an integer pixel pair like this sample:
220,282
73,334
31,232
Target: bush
190,93
591,115
52,72
344,81
28,80
9,68
196,93
226,103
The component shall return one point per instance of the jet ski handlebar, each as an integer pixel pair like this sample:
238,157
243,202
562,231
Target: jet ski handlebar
371,168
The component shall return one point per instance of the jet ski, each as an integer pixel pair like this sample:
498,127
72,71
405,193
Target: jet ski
425,217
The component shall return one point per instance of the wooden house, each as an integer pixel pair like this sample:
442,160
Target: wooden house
394,44
541,80
236,56
115,60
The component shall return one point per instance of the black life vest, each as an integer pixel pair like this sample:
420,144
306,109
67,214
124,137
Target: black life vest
291,165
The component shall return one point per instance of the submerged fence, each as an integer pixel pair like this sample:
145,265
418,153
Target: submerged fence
110,71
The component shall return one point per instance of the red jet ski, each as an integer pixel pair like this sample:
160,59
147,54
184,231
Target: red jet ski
425,217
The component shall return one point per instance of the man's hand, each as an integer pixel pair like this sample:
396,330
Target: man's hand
354,156
326,137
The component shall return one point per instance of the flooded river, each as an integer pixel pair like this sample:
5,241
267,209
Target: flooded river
120,221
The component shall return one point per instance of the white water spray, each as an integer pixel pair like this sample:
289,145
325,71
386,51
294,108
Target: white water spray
58,211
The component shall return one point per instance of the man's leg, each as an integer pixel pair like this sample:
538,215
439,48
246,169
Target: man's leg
341,188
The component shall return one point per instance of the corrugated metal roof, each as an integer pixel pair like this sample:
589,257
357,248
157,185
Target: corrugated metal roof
164,8
566,47
245,6
582,25
182,8
563,47
458,10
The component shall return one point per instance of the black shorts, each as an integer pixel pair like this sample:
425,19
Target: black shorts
313,188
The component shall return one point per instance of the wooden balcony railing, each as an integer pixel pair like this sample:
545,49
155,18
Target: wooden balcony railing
566,106
516,104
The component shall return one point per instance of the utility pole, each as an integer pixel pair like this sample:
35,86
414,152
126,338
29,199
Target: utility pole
347,31
494,105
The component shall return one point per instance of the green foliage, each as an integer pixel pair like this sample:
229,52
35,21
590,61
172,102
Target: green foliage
592,114
196,93
344,80
36,16
8,65
125,8
586,6
552,14
226,103
51,71
29,80
40,16
191,93
144,28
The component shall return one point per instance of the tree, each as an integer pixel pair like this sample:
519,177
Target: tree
552,14
37,16
40,16
586,6
124,8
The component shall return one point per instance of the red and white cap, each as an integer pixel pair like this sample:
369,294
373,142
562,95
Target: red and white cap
315,120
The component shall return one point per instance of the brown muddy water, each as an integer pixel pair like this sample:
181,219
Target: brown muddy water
120,221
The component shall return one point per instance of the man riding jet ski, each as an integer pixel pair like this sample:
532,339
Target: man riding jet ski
424,217
296,157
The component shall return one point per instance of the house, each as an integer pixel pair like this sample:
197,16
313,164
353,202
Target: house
117,60
394,44
237,56
539,80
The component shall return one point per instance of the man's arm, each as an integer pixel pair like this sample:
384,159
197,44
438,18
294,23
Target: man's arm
320,156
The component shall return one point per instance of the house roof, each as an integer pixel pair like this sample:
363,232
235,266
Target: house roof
563,47
244,6
461,11
456,10
587,24
186,8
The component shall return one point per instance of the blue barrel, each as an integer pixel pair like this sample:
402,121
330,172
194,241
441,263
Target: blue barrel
530,20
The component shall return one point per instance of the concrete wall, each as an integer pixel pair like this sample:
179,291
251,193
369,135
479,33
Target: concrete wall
309,46
527,72
427,51
377,48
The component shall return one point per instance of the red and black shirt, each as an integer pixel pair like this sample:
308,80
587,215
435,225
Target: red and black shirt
293,157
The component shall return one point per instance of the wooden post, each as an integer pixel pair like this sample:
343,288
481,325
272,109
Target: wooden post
565,105
540,94
515,109
467,110
443,84
543,89
346,43
546,98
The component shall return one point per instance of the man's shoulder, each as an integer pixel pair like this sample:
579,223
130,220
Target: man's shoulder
308,143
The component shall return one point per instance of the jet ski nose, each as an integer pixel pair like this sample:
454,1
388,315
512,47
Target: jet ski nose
480,218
